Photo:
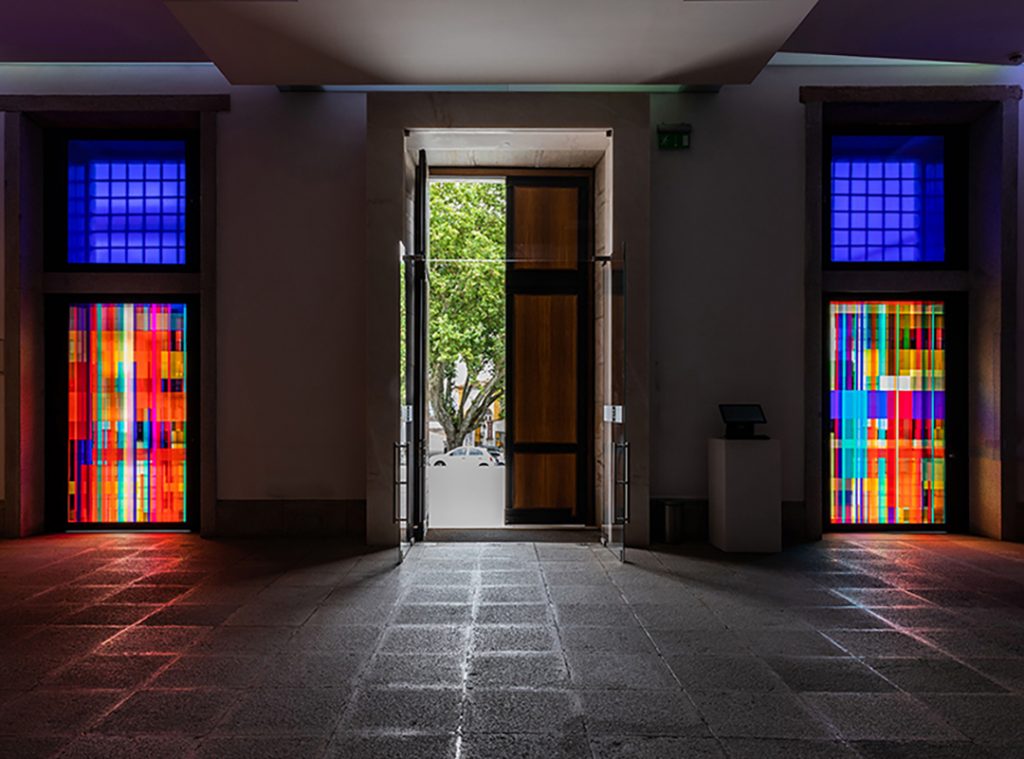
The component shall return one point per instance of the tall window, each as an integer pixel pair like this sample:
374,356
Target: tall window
126,202
888,199
127,413
887,418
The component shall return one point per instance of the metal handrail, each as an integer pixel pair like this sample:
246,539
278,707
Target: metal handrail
624,482
397,481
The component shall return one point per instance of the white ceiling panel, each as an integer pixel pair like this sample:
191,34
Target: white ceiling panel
438,42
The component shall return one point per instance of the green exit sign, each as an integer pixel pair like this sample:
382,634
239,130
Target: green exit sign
673,136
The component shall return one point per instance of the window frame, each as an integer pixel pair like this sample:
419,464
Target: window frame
956,175
55,239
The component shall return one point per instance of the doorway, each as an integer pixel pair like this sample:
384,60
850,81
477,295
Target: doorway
546,437
508,333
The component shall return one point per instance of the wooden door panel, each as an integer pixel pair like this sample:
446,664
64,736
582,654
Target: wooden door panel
545,368
545,481
545,232
547,391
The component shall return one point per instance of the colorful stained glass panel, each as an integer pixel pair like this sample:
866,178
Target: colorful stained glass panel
887,415
127,413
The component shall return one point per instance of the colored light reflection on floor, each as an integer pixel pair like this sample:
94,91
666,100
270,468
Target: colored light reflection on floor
127,413
887,422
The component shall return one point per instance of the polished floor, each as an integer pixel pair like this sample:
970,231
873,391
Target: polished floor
172,646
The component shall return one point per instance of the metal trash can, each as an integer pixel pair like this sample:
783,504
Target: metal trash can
673,521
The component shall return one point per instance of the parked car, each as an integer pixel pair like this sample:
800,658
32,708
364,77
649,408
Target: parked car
498,454
465,455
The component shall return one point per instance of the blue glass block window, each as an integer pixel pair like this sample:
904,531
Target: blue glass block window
126,202
888,199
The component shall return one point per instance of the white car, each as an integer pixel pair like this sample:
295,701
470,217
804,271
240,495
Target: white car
465,455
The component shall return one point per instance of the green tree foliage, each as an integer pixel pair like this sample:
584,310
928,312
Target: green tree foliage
466,303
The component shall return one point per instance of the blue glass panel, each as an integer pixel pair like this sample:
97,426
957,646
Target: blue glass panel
126,202
888,198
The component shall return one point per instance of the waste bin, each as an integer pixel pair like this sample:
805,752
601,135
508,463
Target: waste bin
673,521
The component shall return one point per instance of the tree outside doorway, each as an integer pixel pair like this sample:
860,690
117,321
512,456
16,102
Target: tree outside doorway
466,316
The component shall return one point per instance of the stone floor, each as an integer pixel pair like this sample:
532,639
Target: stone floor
169,645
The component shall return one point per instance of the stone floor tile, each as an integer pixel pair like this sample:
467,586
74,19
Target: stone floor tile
619,640
509,670
859,716
881,643
523,711
429,639
725,673
109,614
271,614
426,710
789,643
759,715
154,640
974,644
524,746
841,618
348,745
129,747
922,750
502,594
1007,672
355,638
432,614
186,712
933,676
985,719
720,642
32,747
439,594
774,748
829,675
234,641
212,672
639,712
615,671
56,712
508,638
415,669
514,614
286,712
653,747
312,669
192,614
120,671
247,747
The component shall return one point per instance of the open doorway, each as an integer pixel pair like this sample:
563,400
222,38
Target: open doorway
514,421
509,362
466,352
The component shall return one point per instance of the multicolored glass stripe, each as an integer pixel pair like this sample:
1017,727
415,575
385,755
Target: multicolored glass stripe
887,419
127,413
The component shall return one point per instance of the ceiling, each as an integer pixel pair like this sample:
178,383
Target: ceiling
970,31
448,42
451,42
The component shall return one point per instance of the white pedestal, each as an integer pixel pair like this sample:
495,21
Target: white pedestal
745,482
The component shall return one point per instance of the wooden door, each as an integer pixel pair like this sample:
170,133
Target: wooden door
547,393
